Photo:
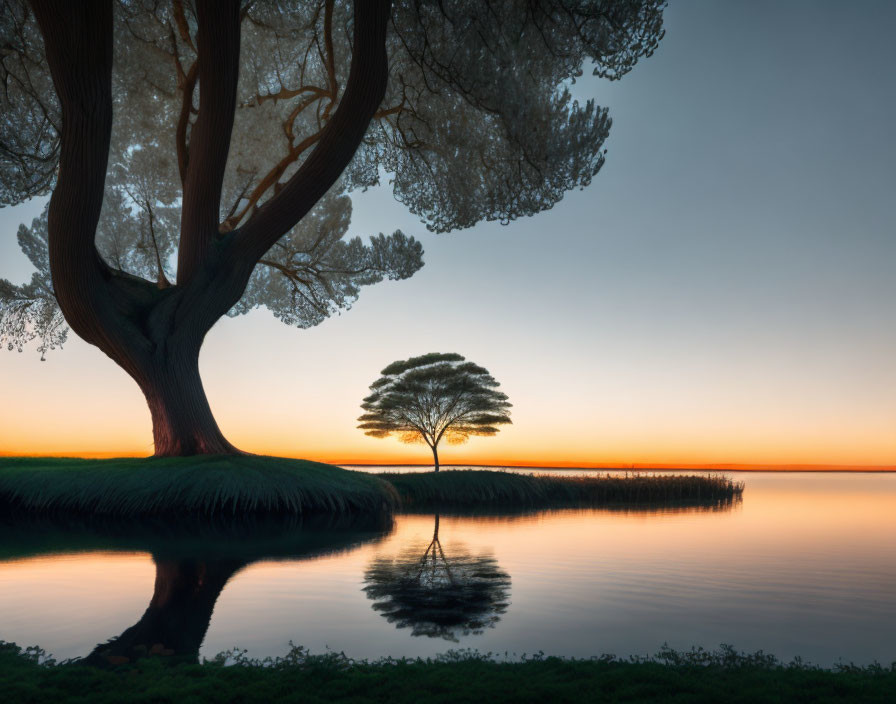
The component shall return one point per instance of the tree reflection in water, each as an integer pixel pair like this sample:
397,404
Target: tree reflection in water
193,565
436,595
178,615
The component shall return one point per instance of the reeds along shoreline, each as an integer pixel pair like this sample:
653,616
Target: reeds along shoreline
491,488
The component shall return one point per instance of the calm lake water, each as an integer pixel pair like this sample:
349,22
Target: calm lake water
804,565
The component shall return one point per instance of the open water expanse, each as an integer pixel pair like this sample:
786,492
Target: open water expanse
804,565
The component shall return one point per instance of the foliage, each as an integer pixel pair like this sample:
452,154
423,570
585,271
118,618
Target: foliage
433,396
477,123
470,488
30,311
187,487
725,675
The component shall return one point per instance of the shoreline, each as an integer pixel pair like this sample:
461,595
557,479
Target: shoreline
256,485
705,470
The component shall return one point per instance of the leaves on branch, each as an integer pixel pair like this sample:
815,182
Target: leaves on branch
29,312
312,271
487,129
29,126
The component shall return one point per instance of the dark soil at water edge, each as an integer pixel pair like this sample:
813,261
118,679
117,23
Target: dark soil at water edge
188,486
472,488
698,676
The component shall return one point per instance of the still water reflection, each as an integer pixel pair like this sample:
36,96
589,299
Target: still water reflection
438,595
805,565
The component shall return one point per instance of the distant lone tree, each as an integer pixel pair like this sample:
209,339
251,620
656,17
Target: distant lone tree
433,397
202,155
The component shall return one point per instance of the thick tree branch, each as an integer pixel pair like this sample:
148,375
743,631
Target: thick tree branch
339,139
78,45
271,179
218,42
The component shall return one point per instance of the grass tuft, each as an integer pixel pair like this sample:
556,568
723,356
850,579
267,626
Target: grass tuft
188,486
471,488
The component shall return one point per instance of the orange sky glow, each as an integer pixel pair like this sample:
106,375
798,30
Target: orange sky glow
78,403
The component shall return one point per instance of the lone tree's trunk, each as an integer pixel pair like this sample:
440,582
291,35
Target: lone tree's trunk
155,333
435,456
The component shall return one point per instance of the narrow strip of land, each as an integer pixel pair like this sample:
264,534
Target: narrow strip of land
226,484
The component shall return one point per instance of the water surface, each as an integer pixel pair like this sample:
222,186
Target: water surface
804,565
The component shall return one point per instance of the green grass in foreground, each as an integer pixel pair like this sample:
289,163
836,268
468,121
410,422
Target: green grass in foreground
696,676
472,488
187,486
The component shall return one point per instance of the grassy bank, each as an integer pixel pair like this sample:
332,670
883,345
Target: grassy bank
187,486
472,488
226,486
698,676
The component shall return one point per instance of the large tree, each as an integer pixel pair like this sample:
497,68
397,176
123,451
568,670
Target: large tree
201,156
433,397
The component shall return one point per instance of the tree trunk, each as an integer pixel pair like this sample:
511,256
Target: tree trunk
182,420
155,335
435,456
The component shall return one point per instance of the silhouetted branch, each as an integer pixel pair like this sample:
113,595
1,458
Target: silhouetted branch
218,41
339,139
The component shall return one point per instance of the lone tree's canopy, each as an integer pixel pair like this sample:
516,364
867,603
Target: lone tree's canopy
477,123
432,397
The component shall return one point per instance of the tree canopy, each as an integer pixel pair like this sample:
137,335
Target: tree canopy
477,122
434,396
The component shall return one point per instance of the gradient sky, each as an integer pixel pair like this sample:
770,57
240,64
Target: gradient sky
722,293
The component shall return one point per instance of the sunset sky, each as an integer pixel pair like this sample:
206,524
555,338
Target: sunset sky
723,292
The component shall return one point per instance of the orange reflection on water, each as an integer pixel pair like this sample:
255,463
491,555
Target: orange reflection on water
62,601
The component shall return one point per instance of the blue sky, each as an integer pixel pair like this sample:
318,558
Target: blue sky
722,292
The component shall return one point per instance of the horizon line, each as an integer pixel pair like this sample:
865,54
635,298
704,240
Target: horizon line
630,466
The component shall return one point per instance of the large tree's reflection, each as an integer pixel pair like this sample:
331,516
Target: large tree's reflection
193,565
179,613
438,595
